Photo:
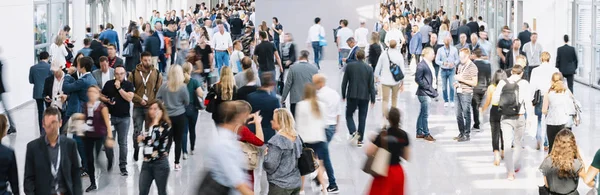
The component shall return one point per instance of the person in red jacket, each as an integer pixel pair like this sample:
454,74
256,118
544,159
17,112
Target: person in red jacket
247,136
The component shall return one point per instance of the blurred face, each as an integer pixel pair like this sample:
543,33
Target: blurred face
506,34
208,23
274,21
275,123
534,37
51,124
288,38
483,35
93,94
463,38
350,43
433,39
146,61
221,28
474,39
415,29
429,56
516,45
104,66
447,41
153,110
112,51
464,58
120,73
158,26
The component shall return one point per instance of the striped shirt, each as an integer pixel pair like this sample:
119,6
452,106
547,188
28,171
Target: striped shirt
468,72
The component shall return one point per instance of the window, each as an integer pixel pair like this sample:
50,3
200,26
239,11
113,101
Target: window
40,23
584,23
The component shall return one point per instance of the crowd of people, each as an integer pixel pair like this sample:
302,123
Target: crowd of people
217,62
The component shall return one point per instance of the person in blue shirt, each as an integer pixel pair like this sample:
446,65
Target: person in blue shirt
447,59
86,50
416,46
111,35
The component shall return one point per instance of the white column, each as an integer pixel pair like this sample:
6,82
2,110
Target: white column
116,14
78,28
516,17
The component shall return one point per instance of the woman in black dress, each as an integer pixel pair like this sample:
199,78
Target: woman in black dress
133,58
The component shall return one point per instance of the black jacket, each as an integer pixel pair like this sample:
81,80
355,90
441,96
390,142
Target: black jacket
98,50
374,53
358,82
8,170
424,79
474,27
292,56
48,85
466,30
134,60
37,167
566,60
153,45
525,37
484,75
510,59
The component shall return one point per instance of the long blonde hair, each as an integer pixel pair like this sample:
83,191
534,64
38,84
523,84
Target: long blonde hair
564,152
286,121
226,83
176,78
187,72
310,94
558,84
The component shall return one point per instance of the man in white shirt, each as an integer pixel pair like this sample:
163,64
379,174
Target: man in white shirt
514,125
361,34
315,33
105,73
541,79
342,35
209,29
394,34
221,44
533,50
331,99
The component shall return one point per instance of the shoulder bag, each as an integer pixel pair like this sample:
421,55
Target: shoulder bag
250,152
128,51
537,97
395,69
378,164
211,99
307,163
211,187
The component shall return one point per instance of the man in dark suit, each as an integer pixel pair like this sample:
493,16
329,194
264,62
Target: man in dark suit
98,50
262,100
511,56
464,29
51,161
473,27
357,89
37,75
8,164
55,97
352,55
524,36
566,61
427,83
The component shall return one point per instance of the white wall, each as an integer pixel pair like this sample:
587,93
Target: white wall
550,27
16,45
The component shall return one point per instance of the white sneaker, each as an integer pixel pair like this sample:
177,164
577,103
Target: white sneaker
185,156
446,105
302,193
452,104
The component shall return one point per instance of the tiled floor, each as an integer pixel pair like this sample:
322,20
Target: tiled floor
443,167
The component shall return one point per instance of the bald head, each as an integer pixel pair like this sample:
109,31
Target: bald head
319,80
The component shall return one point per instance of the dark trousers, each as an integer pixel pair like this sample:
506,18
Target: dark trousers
121,129
179,124
81,151
363,107
276,190
92,146
40,110
329,132
551,131
139,114
463,113
157,171
475,103
191,114
497,137
569,78
173,51
162,64
293,109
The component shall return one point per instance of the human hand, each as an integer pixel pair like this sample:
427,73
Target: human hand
343,59
143,103
287,63
47,99
109,142
140,138
266,150
63,97
257,119
117,84
158,116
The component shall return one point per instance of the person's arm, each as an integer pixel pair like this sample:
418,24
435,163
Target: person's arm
590,175
488,97
498,91
380,62
126,94
31,75
247,136
106,118
288,85
438,58
70,86
419,77
471,82
30,172
499,52
272,158
576,60
185,95
371,81
13,176
545,104
456,57
345,84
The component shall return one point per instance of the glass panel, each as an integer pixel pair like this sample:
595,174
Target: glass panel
70,14
584,53
40,23
38,51
598,26
584,23
59,16
596,80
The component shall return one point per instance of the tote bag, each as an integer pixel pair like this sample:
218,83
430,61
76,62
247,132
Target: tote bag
378,164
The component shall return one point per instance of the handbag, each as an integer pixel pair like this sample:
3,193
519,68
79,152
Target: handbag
322,41
543,190
395,69
211,187
378,164
250,152
128,51
307,163
537,97
210,102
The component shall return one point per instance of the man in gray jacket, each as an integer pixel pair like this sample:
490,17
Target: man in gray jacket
37,76
299,74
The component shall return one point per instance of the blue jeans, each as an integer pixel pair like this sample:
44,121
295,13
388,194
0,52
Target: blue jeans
318,52
81,150
322,151
192,116
343,54
463,112
221,58
329,132
447,81
538,112
121,125
422,123
351,106
162,64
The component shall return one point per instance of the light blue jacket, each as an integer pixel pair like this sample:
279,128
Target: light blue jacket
416,46
447,55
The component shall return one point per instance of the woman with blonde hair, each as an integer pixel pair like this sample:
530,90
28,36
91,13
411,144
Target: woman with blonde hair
282,154
58,50
564,166
557,107
194,88
225,90
541,80
176,97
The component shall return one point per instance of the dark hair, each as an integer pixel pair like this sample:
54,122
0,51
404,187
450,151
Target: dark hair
304,54
246,63
146,54
3,125
351,39
394,117
275,18
266,79
165,115
119,66
317,20
88,29
480,18
360,55
66,28
44,55
87,63
498,76
345,22
96,35
526,25
566,38
87,41
477,52
262,34
53,111
111,45
103,59
249,74
470,18
105,41
75,61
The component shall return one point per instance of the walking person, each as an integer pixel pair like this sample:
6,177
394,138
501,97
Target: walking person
222,45
288,54
397,143
315,34
117,96
541,79
374,50
563,167
175,97
566,62
196,93
383,74
513,107
156,144
466,80
50,149
533,50
146,80
447,57
37,76
133,58
298,76
484,76
8,163
495,116
59,50
358,88
361,35
426,90
557,108
225,91
415,44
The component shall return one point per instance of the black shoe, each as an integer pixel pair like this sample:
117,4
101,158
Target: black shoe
359,144
11,130
464,138
91,188
124,172
109,167
476,127
333,189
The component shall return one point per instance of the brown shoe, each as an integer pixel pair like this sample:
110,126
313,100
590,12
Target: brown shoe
420,136
458,137
429,138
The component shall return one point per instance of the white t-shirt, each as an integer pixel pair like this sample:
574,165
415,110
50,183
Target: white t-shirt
361,34
236,56
344,34
105,77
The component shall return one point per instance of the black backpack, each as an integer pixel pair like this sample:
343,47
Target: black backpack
509,104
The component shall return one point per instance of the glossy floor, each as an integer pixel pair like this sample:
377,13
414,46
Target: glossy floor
443,167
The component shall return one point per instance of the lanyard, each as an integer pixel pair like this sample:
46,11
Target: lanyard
112,62
54,168
533,49
145,80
